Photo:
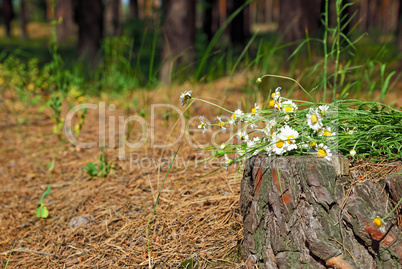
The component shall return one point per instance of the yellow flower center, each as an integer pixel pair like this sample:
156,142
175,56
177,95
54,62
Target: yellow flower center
272,103
314,119
202,125
321,153
313,144
279,144
234,116
327,133
273,95
291,139
253,110
378,222
347,133
288,109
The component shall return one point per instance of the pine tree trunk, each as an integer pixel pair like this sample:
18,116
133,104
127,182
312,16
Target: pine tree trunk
65,10
179,35
134,9
112,20
399,29
295,215
89,17
23,19
8,15
239,29
297,16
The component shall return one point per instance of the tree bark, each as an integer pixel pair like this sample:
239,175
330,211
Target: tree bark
8,15
23,19
179,35
112,19
399,29
240,28
134,9
298,213
89,17
65,10
207,18
296,16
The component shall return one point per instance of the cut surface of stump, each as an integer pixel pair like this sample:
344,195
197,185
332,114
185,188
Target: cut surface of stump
303,212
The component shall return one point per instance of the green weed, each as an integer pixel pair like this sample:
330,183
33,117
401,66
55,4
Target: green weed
41,210
102,169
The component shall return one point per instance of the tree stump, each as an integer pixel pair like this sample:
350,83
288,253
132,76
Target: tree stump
298,213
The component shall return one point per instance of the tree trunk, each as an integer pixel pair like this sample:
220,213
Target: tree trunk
134,9
399,29
179,34
303,212
8,15
89,17
112,19
65,10
297,16
23,19
207,18
239,29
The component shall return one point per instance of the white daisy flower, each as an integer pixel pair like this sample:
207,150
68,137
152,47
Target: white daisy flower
240,151
323,109
326,132
203,125
278,146
228,161
380,224
323,152
250,144
186,95
289,135
236,116
255,109
289,106
243,136
287,118
221,124
275,95
314,120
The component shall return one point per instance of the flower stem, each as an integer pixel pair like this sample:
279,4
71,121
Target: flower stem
202,100
392,211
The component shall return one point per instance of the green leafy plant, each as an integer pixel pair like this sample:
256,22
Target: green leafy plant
101,170
41,210
55,105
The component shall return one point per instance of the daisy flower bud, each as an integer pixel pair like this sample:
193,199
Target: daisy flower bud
186,95
352,152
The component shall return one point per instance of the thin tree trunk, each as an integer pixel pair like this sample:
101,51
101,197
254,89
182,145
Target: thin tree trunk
134,9
179,35
238,29
297,16
8,15
89,17
23,20
399,29
112,20
207,22
65,10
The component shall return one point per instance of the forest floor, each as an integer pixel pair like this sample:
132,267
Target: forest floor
197,218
